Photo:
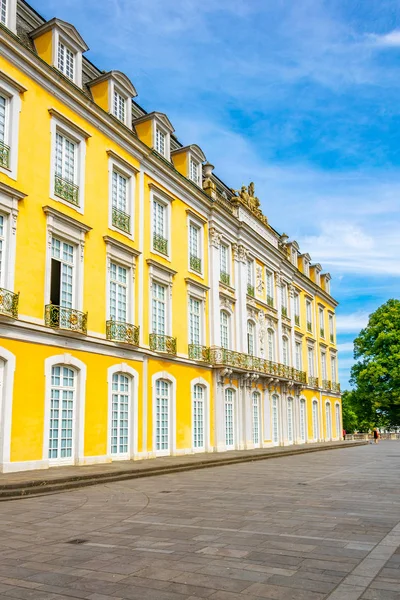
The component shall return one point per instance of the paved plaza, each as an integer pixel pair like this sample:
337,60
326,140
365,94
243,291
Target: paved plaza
305,527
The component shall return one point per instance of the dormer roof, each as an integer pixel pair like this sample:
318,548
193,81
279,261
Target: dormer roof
306,256
120,78
294,244
317,267
193,149
161,117
68,29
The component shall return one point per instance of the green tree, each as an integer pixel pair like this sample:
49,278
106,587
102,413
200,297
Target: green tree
350,418
376,374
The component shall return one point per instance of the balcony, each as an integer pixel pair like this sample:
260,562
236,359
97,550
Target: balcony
313,381
284,311
322,332
195,263
297,320
4,156
119,331
309,326
336,387
250,290
326,384
162,343
69,319
67,190
121,220
9,303
197,352
224,278
160,244
270,301
219,357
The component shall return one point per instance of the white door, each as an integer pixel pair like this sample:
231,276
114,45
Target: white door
120,416
198,418
275,420
290,420
303,420
162,417
229,420
62,415
315,420
256,420
328,421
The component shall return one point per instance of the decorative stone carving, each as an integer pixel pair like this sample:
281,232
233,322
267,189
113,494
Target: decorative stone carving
239,252
259,280
279,279
246,196
252,313
262,330
215,237
225,302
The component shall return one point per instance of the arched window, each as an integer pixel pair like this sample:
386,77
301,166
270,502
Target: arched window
290,420
250,338
198,417
315,420
62,413
275,419
302,416
120,414
338,421
285,350
256,419
162,412
7,370
271,344
224,327
328,419
229,418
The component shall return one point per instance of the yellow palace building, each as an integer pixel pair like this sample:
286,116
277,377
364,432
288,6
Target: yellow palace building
146,308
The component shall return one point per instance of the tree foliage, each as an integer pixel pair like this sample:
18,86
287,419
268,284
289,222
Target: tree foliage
376,374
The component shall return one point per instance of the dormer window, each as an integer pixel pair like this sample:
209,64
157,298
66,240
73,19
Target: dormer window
119,106
66,60
160,141
3,12
194,172
8,14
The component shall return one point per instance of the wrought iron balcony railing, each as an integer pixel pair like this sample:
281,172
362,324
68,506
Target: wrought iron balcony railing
9,303
284,311
250,290
119,331
121,220
224,278
270,301
229,358
326,384
160,244
195,263
309,326
162,343
4,155
322,332
297,320
59,317
67,190
197,352
335,387
313,381
332,338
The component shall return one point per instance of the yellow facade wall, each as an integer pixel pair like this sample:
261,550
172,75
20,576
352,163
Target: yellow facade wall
145,132
44,46
100,93
180,161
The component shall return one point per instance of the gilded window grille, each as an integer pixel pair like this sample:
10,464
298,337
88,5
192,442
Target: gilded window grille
297,320
9,303
60,317
162,343
4,155
250,290
270,301
197,352
67,190
224,278
160,244
121,220
195,263
119,331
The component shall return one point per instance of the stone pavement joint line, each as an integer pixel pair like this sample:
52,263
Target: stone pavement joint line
39,482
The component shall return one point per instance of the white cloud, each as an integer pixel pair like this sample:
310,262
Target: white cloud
352,323
388,39
345,347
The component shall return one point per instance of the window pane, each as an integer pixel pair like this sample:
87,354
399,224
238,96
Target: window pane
194,321
3,106
158,308
119,106
198,416
162,415
120,414
3,11
62,400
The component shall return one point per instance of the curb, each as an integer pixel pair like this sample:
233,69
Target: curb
21,490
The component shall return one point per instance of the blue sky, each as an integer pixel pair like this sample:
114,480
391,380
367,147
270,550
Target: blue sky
303,98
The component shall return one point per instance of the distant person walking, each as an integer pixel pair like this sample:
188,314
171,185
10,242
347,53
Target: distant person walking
376,436
344,434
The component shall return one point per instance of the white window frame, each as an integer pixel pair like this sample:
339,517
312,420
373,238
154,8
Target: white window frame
315,422
229,327
195,161
290,411
234,391
331,326
303,422
309,313
328,435
196,222
270,330
310,351
122,255
334,363
57,37
206,413
270,276
157,196
286,341
162,276
298,355
257,394
124,369
11,91
73,232
324,367
306,267
11,15
338,417
9,199
285,297
254,326
171,413
156,124
69,361
250,272
275,399
296,307
191,296
228,260
321,321
120,166
64,129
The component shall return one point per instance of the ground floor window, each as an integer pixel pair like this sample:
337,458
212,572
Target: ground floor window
303,420
198,417
162,401
275,420
62,408
290,420
337,415
328,420
229,418
120,410
315,419
256,419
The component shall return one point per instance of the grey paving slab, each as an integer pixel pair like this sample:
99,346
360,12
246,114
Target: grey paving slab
304,527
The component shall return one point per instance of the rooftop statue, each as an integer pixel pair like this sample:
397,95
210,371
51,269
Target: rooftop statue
246,195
